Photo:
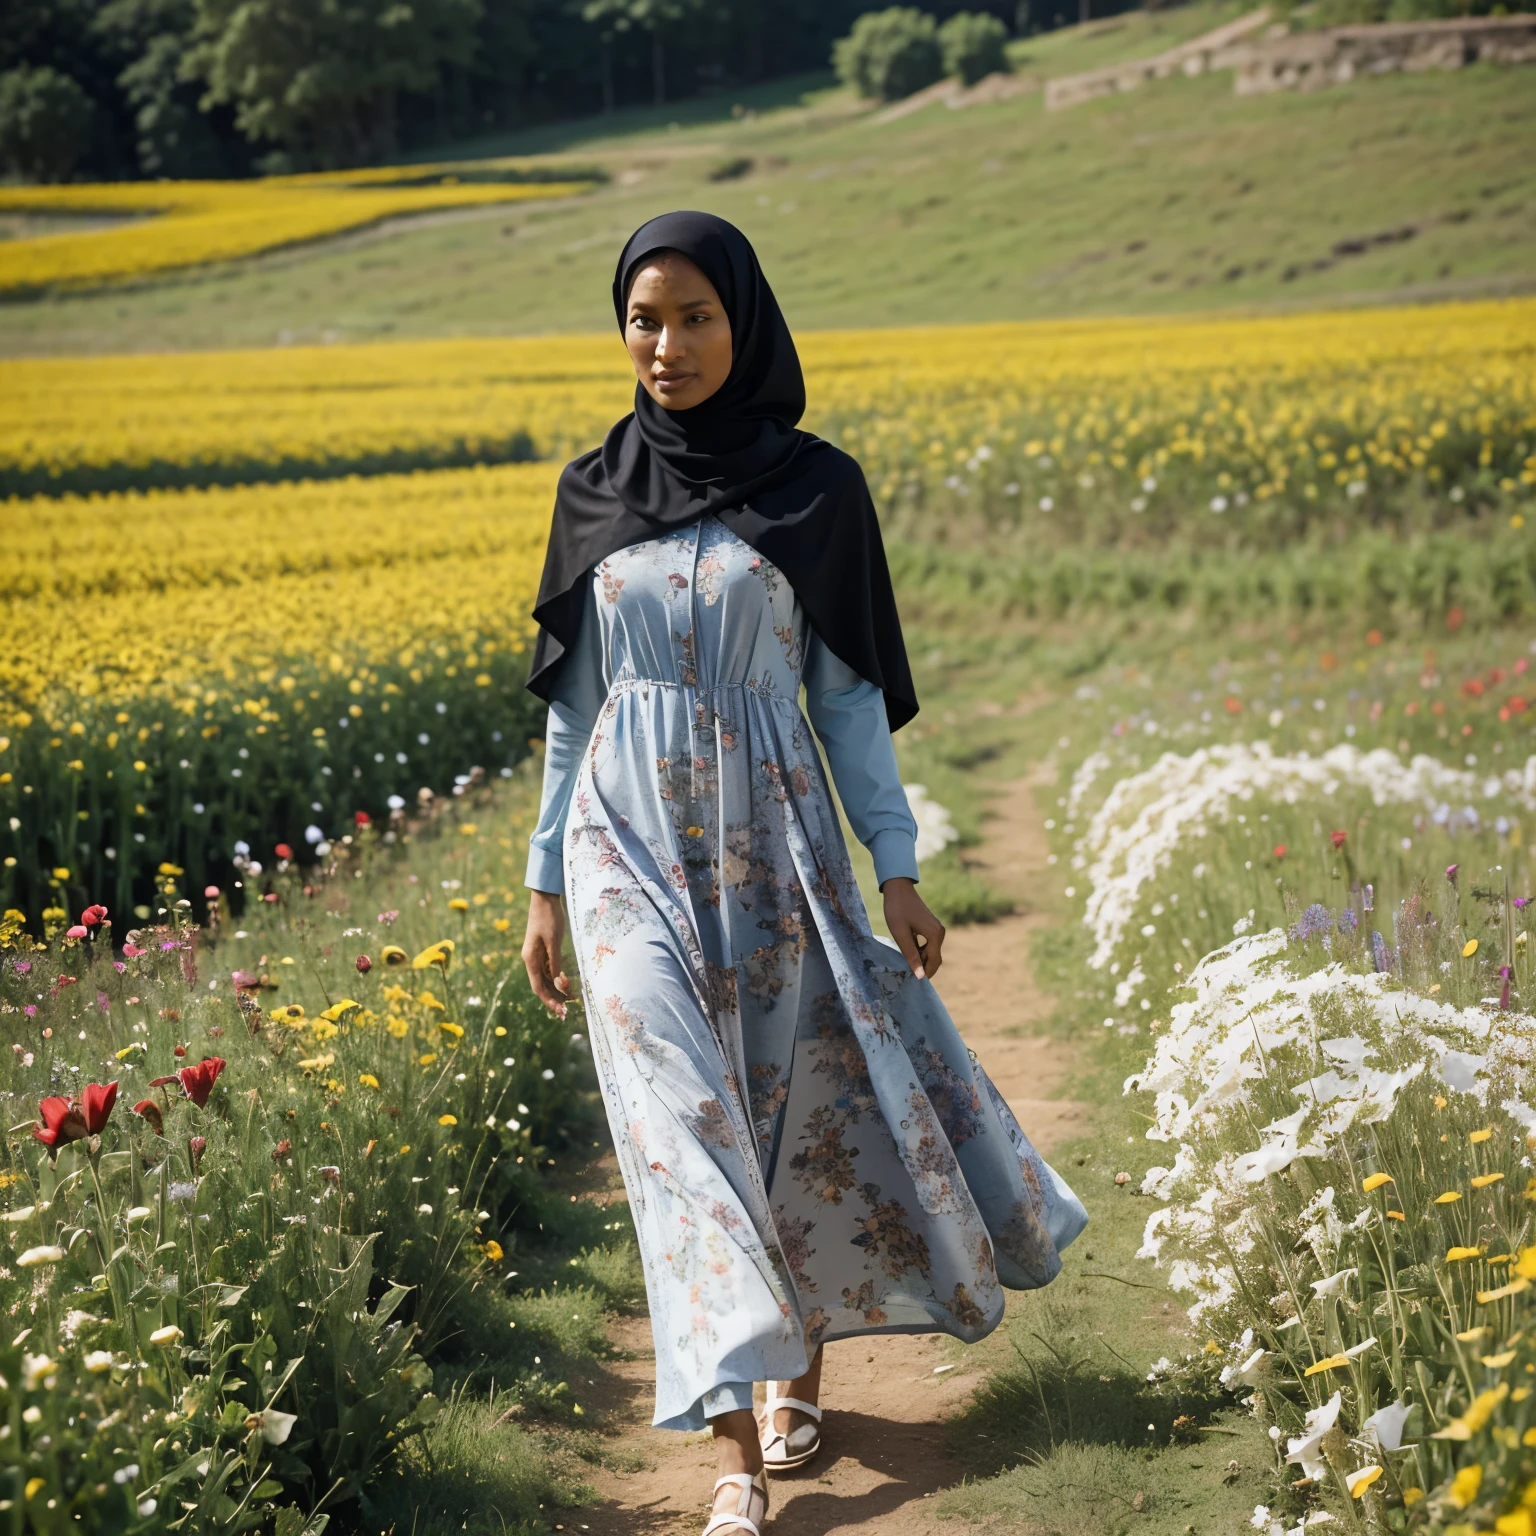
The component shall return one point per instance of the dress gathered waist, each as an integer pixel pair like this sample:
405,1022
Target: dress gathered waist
629,683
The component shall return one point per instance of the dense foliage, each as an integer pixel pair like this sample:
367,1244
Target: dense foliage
973,45
192,88
890,53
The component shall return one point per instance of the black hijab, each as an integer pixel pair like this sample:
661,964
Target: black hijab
797,500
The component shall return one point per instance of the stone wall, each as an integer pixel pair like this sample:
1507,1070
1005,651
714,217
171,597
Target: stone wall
1310,61
1191,58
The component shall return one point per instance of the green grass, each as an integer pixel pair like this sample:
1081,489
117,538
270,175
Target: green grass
1176,197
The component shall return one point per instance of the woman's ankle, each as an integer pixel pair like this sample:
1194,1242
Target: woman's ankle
736,1443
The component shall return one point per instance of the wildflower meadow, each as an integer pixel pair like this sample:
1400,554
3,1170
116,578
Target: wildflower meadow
1304,891
260,1202
287,1237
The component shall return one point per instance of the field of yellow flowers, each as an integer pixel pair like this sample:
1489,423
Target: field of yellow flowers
253,657
252,591
166,225
1107,432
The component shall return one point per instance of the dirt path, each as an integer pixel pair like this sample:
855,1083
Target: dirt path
883,1459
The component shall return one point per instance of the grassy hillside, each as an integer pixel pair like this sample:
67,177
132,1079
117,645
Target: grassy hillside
1176,197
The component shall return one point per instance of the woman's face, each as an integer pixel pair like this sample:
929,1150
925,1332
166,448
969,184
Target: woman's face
677,332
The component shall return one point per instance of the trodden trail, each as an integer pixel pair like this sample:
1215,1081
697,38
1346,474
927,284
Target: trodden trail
884,1453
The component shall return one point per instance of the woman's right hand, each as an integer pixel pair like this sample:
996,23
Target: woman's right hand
543,951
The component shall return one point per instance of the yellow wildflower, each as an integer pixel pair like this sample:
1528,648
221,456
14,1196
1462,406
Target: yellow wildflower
1512,1289
1465,1484
1375,1181
1476,1416
438,954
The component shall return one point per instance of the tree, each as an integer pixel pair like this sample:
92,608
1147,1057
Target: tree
322,79
173,137
615,17
974,46
45,122
890,54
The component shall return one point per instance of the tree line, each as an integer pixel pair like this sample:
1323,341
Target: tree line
109,89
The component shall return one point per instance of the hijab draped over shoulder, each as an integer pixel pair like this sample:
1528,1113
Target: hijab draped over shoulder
740,457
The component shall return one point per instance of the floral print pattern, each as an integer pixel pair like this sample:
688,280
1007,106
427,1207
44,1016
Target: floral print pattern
810,1151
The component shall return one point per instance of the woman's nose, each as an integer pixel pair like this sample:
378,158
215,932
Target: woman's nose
669,344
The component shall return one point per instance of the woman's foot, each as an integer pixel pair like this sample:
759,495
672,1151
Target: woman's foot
741,1495
791,1423
741,1505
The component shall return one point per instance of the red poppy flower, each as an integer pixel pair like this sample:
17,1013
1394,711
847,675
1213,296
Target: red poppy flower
364,965
1338,838
94,916
178,1050
98,1106
283,851
150,1111
362,818
66,1120
197,1146
62,1123
197,1082
160,1082
1279,850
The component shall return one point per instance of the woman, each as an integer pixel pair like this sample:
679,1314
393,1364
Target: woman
810,1151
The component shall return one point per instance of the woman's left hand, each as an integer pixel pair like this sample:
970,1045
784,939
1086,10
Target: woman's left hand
917,932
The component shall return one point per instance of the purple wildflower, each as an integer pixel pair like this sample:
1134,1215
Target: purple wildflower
1504,995
104,1002
1348,921
1381,956
1315,921
30,1010
1522,901
1450,872
22,966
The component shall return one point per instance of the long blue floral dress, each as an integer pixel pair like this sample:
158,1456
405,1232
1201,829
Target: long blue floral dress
810,1151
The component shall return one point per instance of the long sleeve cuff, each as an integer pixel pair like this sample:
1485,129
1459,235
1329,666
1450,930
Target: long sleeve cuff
895,854
546,871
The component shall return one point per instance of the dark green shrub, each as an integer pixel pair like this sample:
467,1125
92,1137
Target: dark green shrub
890,54
45,123
974,46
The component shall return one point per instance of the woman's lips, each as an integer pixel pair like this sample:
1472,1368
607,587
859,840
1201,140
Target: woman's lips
668,383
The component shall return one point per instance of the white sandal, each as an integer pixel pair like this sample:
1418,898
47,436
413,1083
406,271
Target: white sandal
751,1487
784,1450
